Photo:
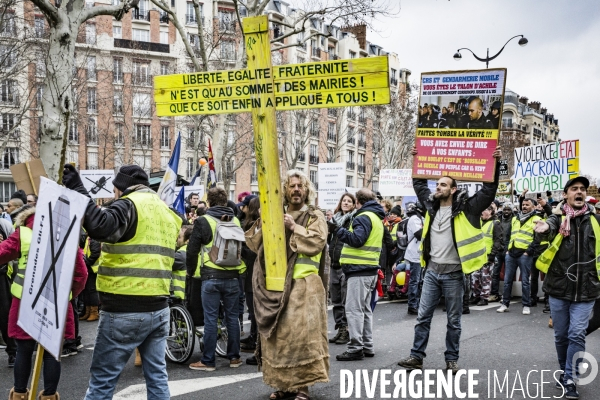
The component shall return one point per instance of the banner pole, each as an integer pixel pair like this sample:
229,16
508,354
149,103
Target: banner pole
37,369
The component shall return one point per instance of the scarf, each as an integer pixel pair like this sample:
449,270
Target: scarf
390,222
569,212
523,217
341,219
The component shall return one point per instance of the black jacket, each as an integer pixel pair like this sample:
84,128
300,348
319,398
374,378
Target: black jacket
472,206
498,238
95,249
572,275
388,250
201,236
361,230
336,246
506,230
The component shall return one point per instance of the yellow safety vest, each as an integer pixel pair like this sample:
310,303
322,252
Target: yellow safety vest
16,289
142,265
204,259
394,231
469,243
545,259
521,236
88,253
368,254
487,228
305,265
178,279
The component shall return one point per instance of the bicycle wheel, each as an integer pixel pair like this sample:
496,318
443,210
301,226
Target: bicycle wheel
221,349
180,342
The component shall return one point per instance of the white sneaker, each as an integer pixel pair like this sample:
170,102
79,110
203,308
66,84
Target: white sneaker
502,308
526,311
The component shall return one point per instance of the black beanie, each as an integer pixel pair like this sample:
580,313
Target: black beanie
19,194
396,210
130,175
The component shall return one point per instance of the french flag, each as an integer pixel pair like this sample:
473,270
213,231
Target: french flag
166,190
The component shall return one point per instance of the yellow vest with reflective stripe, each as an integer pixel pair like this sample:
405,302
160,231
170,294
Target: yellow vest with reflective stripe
305,265
205,258
178,279
142,265
367,254
16,289
521,236
394,232
487,228
545,259
88,252
469,243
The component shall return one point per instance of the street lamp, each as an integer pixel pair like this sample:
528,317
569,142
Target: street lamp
522,42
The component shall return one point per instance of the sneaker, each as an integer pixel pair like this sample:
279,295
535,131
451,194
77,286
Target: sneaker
571,392
11,361
493,298
502,308
78,343
198,366
411,363
526,310
452,366
235,363
347,356
251,361
474,300
369,354
546,309
413,311
561,380
69,351
2,344
482,302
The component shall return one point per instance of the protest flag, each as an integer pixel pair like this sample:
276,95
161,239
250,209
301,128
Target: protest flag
212,176
166,190
179,204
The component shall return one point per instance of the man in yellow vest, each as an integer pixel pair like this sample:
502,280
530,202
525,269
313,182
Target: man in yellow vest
572,280
138,234
520,252
219,284
452,245
363,244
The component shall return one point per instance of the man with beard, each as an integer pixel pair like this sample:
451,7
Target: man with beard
493,118
476,118
572,276
452,246
292,325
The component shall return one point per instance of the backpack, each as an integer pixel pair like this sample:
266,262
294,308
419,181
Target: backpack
226,249
402,236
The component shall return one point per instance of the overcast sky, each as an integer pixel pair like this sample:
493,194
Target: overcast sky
560,67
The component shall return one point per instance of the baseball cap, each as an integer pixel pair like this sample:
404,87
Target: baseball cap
581,179
507,205
591,200
246,200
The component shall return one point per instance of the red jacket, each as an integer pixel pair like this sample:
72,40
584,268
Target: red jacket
10,249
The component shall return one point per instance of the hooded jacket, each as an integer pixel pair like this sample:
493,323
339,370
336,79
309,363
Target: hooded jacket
572,275
361,229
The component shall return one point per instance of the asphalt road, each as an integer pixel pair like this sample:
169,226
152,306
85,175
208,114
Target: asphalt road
511,345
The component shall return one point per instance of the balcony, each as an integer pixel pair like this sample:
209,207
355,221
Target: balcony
14,134
10,99
361,169
313,159
351,140
145,46
316,52
350,165
227,26
142,80
362,144
164,17
141,15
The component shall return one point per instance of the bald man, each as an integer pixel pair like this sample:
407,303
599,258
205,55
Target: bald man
476,118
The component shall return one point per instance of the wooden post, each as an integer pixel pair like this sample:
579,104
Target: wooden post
258,48
37,369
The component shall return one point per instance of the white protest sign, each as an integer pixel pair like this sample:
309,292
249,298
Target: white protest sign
396,182
470,187
50,264
351,190
98,182
332,181
187,190
546,166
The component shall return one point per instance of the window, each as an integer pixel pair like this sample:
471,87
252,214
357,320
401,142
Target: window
226,21
361,163
193,39
141,73
164,161
8,122
191,142
8,24
348,181
227,50
117,32
39,95
90,34
72,156
313,177
8,57
351,135
118,70
164,37
91,100
142,135
39,26
40,129
91,69
40,64
92,160
352,54
91,132
141,35
350,155
330,154
118,103
314,154
73,134
8,92
165,137
141,105
143,161
119,138
190,13
331,132
164,68
301,60
8,188
190,164
254,175
10,157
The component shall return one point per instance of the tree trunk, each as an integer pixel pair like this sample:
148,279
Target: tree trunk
57,102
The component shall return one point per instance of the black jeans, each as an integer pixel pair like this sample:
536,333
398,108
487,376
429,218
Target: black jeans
90,294
5,302
51,368
496,273
250,304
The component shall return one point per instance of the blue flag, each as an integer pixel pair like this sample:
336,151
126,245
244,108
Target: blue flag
166,190
179,203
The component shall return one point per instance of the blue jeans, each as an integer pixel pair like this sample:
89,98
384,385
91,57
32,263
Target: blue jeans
434,285
510,269
117,337
213,291
413,284
570,321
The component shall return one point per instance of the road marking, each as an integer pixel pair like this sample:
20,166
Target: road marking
178,388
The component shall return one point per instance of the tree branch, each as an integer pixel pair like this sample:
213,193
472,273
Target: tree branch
115,11
48,9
